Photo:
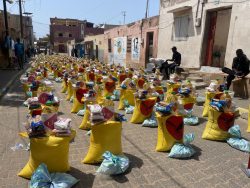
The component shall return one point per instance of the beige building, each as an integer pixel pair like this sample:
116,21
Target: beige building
206,32
94,46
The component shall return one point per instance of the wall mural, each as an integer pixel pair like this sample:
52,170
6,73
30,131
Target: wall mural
135,49
120,50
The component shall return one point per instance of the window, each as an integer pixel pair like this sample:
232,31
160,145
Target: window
60,34
109,45
129,41
181,25
70,35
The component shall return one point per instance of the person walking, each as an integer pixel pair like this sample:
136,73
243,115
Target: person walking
240,68
19,53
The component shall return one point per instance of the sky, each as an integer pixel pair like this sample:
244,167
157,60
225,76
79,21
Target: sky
96,11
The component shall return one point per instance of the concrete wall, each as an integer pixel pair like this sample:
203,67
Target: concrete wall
191,48
137,29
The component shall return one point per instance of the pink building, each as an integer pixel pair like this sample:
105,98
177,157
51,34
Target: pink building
132,45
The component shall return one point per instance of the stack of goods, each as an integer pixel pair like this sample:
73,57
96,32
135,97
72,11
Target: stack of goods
144,105
220,118
36,127
128,88
62,127
186,101
212,92
96,114
171,132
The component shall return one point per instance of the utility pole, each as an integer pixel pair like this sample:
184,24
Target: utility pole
6,18
146,14
21,18
124,17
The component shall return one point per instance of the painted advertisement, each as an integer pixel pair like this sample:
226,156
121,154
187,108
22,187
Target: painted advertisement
120,50
135,49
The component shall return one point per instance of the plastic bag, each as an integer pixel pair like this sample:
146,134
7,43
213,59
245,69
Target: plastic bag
129,110
81,112
191,120
184,150
71,99
237,141
112,164
149,123
42,178
115,96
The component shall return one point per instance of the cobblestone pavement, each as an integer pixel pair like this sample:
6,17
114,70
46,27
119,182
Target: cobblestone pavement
216,164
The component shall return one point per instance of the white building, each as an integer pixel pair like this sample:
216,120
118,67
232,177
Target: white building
205,32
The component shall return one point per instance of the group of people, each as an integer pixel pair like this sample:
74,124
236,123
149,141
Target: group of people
240,66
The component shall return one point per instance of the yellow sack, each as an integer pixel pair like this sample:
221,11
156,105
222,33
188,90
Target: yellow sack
248,129
126,94
64,86
90,77
69,91
173,87
140,83
77,103
121,78
218,125
104,137
49,109
25,87
109,88
170,131
143,110
187,102
53,151
85,125
209,97
170,98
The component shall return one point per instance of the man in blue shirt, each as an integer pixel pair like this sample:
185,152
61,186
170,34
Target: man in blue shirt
19,52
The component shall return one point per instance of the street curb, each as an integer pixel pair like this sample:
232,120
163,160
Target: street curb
8,85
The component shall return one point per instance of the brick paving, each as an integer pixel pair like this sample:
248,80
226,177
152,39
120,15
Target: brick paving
216,164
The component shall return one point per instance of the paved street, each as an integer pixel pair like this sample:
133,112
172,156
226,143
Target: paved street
216,164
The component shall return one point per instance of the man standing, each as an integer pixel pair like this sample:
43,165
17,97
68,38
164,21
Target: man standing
240,68
19,52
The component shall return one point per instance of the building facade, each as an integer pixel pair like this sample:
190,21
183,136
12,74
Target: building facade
132,45
94,47
206,32
64,30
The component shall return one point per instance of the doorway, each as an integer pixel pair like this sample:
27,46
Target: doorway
216,37
149,46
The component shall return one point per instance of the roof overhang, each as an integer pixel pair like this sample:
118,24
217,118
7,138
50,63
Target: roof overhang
178,9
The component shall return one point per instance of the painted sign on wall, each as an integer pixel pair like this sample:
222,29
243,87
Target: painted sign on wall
120,50
135,49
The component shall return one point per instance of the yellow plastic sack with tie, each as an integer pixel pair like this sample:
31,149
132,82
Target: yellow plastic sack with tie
70,91
209,97
173,87
109,88
218,125
170,131
143,109
46,109
187,102
64,86
51,150
171,98
104,137
126,94
77,103
248,129
86,125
